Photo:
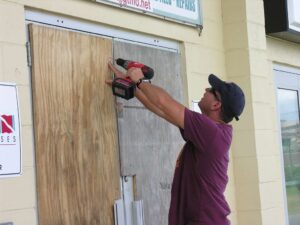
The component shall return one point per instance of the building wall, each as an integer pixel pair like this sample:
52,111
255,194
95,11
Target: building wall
256,146
18,197
232,45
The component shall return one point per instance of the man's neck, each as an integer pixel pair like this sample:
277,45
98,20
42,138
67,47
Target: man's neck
216,118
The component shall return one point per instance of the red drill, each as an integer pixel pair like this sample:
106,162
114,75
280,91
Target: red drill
125,88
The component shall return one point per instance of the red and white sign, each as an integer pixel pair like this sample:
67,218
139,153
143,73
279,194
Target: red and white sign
10,144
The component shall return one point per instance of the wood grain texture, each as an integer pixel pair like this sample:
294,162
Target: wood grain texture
75,128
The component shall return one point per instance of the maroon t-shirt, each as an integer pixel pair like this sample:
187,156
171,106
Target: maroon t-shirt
200,178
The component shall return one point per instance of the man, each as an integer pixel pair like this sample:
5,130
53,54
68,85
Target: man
197,196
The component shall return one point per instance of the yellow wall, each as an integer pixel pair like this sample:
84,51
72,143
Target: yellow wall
283,52
232,45
18,197
256,152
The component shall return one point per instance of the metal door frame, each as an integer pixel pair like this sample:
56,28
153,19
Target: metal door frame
282,83
80,25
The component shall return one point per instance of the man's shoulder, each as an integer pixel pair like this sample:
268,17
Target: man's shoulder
191,113
196,117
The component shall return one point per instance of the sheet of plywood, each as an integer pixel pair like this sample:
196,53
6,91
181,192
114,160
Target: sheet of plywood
149,145
75,128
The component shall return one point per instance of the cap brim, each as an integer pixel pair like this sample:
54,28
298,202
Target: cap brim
215,82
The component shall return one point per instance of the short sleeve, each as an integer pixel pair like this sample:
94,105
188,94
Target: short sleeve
199,129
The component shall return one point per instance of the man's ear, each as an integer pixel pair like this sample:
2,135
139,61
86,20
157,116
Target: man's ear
216,105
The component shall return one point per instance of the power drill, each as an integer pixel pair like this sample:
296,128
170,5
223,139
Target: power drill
125,87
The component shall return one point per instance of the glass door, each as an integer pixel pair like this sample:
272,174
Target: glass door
288,91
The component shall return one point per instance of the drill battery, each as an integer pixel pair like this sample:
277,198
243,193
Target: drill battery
123,88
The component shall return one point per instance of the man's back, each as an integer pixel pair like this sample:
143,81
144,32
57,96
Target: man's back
201,173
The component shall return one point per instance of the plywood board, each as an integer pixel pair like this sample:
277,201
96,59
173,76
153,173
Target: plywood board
149,145
75,128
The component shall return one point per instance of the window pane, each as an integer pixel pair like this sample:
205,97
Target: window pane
289,118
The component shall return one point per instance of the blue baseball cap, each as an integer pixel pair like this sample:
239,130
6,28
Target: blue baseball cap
232,96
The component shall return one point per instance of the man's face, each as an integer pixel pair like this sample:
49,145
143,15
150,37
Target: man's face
209,100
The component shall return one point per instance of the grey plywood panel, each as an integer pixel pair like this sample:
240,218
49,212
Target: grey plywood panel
149,145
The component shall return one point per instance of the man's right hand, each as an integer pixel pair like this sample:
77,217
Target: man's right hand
135,74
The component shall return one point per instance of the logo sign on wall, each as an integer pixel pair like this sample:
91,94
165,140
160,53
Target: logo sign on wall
183,11
10,144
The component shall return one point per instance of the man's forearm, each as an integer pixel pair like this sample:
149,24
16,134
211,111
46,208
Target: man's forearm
156,95
150,106
172,110
145,101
